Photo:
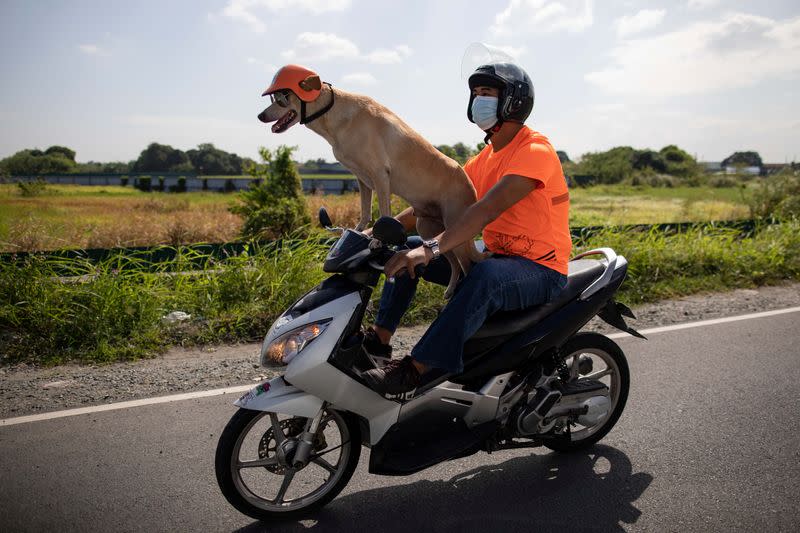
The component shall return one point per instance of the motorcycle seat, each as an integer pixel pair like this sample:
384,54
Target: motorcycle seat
582,273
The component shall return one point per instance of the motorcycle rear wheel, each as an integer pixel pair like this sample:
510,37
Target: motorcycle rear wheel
615,374
248,461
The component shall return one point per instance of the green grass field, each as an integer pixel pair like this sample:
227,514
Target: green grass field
74,216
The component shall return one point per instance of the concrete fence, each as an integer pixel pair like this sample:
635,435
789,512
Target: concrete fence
170,182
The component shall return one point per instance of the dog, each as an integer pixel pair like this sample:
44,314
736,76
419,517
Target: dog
382,151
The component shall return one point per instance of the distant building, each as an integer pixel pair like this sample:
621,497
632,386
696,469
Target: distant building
712,167
753,171
773,168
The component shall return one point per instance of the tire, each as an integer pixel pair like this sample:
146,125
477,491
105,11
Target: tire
235,488
608,351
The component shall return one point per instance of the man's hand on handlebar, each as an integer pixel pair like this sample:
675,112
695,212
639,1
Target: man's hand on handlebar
407,261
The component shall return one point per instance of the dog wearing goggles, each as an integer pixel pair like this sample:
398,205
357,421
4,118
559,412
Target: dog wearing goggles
382,151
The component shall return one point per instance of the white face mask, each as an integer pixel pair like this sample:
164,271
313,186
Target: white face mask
484,111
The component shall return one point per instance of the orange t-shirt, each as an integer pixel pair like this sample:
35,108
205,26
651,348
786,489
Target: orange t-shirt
536,227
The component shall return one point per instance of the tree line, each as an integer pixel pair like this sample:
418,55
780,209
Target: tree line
622,163
206,159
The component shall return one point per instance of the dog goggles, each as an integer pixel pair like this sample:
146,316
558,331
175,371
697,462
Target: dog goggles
280,97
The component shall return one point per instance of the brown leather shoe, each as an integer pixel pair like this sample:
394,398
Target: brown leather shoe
397,377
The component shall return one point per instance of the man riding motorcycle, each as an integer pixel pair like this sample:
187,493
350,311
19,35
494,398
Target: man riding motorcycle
523,213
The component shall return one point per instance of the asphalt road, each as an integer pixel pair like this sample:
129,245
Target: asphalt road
708,442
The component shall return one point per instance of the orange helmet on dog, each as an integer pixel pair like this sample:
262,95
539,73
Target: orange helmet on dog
301,81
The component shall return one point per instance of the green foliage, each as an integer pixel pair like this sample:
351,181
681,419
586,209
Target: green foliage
36,163
776,196
61,151
144,183
95,167
274,205
161,158
612,166
746,159
678,162
460,152
113,310
563,157
209,160
646,167
32,188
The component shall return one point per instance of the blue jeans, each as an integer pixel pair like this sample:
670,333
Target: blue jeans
500,283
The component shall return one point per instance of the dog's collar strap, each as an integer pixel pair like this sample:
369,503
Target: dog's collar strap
305,120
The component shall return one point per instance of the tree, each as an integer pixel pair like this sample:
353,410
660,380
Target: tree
63,151
563,157
679,162
275,206
161,158
748,159
36,163
612,166
211,160
648,159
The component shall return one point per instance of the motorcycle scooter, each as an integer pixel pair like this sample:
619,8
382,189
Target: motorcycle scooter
530,378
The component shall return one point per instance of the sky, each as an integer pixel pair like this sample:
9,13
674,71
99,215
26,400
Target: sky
106,77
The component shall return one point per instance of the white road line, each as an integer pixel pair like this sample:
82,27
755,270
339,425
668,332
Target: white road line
711,322
242,388
123,405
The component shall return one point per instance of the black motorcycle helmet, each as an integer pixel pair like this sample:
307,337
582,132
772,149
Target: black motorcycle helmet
515,102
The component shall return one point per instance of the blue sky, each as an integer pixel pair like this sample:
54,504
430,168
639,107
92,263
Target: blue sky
107,77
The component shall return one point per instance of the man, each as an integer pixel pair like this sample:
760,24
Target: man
523,212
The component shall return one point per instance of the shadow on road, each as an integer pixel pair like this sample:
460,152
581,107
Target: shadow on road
594,490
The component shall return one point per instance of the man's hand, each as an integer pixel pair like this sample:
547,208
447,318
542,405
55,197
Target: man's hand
407,260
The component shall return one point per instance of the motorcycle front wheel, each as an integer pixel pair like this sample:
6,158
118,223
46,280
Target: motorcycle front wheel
255,470
609,366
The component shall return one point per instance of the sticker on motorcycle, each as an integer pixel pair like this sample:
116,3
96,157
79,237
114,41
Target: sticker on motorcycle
257,391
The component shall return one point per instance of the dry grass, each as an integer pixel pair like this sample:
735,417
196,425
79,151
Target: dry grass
103,217
105,220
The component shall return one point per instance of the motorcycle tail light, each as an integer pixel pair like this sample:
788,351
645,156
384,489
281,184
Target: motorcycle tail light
286,347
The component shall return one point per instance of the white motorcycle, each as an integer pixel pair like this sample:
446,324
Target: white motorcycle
530,379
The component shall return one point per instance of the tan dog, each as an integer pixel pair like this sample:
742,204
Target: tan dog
383,152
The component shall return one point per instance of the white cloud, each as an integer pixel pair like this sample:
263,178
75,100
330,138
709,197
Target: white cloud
242,10
359,78
310,47
702,4
737,51
320,47
92,50
385,56
643,20
544,16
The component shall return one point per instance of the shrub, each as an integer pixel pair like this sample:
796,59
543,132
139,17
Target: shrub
124,181
144,183
775,195
275,206
181,184
32,188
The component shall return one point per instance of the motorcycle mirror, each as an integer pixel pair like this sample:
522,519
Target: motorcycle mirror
324,218
389,230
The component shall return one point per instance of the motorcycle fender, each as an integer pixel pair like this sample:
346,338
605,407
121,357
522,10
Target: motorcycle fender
277,396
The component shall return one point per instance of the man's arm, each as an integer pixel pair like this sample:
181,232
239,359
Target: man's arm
506,192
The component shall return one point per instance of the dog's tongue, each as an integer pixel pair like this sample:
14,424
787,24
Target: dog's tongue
282,122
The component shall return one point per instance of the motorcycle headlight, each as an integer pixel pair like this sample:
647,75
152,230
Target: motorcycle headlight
284,348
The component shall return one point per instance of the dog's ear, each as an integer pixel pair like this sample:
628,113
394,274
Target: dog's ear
311,83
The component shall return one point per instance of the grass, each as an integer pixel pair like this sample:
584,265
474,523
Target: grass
115,313
73,216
